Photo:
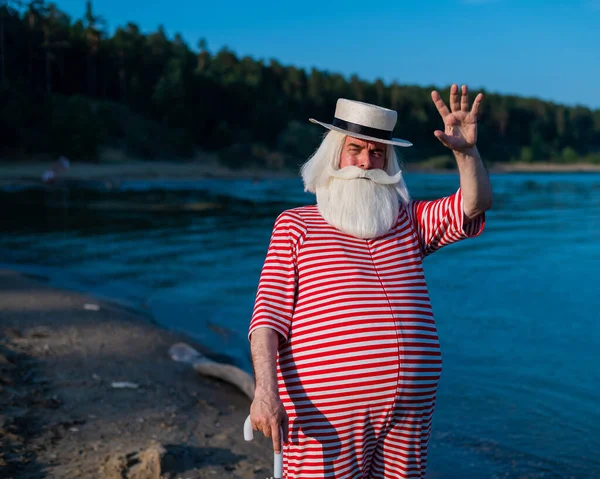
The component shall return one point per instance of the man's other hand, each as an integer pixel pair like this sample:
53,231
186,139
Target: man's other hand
267,415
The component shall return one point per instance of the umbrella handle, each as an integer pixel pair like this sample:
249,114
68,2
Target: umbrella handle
277,458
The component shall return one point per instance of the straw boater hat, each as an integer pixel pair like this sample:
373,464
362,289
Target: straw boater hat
364,121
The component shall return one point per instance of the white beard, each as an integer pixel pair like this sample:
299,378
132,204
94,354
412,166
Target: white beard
359,207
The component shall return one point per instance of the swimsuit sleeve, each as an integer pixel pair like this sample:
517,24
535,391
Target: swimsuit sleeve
276,295
441,222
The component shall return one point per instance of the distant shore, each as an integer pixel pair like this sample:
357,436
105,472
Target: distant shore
545,168
133,170
26,172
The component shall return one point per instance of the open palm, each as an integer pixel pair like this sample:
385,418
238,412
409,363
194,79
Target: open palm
460,124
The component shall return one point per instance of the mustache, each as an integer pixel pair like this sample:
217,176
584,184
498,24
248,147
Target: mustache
376,176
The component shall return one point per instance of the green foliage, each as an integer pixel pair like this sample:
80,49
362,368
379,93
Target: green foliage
441,162
142,137
252,157
569,155
593,158
527,155
74,128
68,87
299,139
15,115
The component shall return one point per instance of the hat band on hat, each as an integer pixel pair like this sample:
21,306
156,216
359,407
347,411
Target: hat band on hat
362,130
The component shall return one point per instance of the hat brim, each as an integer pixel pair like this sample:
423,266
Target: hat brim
393,141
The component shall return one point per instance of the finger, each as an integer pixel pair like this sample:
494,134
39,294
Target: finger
439,104
276,439
445,139
266,430
476,104
464,99
454,98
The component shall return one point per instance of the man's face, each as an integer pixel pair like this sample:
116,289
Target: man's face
364,154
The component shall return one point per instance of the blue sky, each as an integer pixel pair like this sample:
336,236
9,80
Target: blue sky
547,49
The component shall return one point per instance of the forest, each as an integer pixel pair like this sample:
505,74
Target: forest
68,87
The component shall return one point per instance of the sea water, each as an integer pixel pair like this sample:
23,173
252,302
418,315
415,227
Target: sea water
517,309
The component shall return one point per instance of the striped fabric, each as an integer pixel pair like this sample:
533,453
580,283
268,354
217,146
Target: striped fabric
359,359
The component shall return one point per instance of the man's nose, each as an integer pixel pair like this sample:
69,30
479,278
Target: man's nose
364,161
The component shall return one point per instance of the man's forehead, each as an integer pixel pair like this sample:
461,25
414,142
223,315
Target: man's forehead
364,143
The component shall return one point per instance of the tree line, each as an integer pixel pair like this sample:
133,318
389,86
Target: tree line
68,87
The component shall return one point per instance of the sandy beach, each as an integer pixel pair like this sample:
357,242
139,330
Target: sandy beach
61,417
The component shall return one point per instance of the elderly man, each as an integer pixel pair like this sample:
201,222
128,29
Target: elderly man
344,345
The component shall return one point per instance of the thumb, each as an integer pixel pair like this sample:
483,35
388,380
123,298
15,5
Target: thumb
444,139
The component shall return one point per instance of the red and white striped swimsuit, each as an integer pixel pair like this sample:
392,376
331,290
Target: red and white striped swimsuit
359,360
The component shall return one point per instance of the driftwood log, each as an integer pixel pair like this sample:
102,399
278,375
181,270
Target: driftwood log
184,353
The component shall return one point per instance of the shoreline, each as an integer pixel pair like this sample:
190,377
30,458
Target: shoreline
61,416
29,173
545,168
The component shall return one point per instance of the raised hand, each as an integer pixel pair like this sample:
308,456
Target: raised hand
460,124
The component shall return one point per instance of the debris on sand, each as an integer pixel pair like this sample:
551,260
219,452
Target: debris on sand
145,464
124,385
91,307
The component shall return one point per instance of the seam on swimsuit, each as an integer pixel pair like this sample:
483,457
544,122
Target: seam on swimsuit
390,414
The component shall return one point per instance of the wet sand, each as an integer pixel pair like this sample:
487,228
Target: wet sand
61,417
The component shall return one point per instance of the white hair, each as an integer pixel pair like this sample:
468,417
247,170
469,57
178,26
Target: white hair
327,156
